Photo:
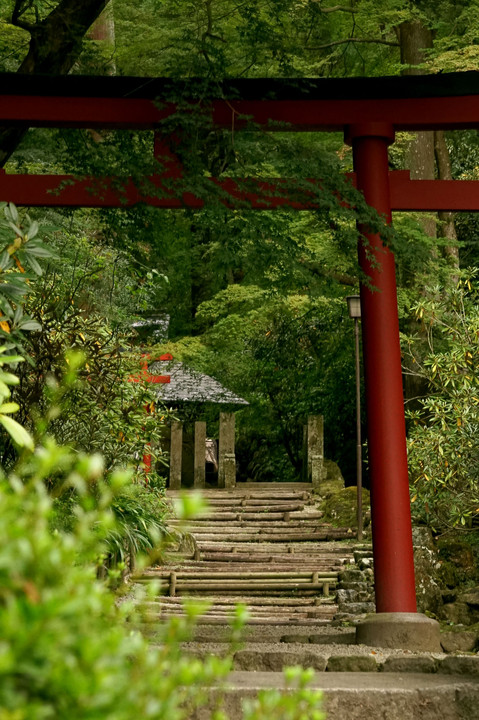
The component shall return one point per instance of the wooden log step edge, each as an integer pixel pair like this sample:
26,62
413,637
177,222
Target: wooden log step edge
272,549
180,575
249,585
280,538
280,602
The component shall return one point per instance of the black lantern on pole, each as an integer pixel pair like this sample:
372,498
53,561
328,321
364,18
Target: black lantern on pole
354,310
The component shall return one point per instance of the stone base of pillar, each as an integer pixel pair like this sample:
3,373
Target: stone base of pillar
317,463
410,631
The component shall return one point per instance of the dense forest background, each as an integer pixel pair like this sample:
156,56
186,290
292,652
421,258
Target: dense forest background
255,299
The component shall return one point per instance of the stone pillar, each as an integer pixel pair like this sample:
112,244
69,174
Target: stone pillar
226,465
229,470
200,448
304,455
176,451
315,450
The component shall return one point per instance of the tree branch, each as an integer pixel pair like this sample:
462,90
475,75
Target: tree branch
55,45
318,269
353,40
335,8
17,11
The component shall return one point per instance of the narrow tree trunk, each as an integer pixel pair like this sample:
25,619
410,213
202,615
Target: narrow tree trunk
415,39
446,228
103,31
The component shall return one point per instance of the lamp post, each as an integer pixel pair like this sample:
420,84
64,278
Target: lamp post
354,310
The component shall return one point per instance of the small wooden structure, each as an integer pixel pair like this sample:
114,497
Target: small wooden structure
189,387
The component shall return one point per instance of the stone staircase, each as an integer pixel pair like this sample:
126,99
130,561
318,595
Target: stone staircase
266,547
261,545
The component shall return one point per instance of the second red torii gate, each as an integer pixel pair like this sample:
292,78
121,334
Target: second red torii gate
368,111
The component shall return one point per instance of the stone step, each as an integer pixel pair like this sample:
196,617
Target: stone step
222,605
324,652
285,620
278,637
259,611
360,695
224,622
265,604
247,600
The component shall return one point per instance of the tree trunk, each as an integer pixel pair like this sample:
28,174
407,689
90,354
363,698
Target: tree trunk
446,228
415,39
428,152
103,31
55,46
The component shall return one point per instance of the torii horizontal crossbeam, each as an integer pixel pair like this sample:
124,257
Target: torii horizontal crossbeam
68,191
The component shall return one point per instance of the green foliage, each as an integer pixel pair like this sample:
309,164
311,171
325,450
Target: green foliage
443,446
289,356
20,246
16,431
66,652
140,514
79,386
14,287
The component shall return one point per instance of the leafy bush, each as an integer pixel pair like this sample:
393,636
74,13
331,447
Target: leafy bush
20,249
443,438
66,652
79,363
140,522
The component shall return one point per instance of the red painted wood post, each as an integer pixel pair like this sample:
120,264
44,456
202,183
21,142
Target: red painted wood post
390,504
145,376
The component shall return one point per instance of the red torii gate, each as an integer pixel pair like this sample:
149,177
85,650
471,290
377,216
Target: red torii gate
368,111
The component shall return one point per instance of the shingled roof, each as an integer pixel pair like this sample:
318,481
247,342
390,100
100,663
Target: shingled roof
187,385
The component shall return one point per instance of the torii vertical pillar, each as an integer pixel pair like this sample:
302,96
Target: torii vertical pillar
390,505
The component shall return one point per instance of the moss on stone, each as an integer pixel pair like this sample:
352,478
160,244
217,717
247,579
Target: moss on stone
339,507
